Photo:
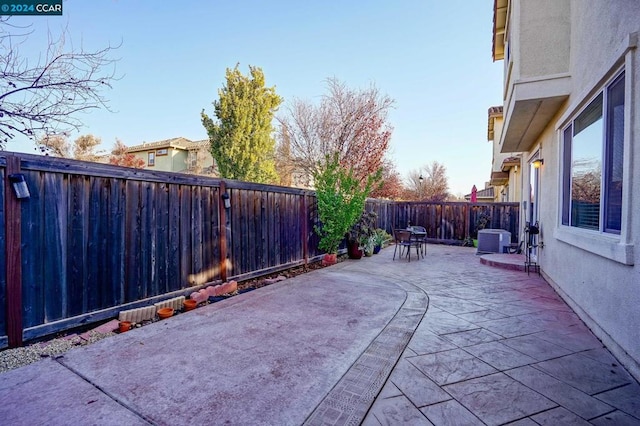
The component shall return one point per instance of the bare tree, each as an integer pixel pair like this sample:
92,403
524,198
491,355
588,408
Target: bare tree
55,145
351,123
284,164
83,148
41,98
434,185
586,187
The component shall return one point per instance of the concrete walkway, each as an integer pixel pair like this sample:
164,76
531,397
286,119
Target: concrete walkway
440,340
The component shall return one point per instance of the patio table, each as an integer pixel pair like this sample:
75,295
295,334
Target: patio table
408,238
419,238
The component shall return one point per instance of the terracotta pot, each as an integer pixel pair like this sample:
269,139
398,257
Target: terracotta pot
329,259
125,326
353,250
164,313
190,304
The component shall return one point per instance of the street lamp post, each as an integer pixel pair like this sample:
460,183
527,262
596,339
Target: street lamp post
420,179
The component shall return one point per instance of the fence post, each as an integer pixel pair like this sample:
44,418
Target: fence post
305,236
222,232
467,217
13,255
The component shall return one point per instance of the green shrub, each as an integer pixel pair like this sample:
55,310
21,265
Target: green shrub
341,199
381,237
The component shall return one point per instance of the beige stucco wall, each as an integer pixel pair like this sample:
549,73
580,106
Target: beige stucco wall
513,188
544,34
498,157
174,161
515,184
605,292
142,155
542,29
599,27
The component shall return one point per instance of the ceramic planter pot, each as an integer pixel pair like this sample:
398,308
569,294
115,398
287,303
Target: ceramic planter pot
329,259
124,326
164,313
190,304
353,250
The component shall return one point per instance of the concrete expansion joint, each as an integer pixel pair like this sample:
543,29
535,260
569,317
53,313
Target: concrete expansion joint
60,360
350,399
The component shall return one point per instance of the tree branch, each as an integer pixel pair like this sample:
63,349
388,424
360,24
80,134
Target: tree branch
42,99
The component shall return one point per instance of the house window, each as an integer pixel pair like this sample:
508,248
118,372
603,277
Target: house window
193,159
162,151
593,149
152,159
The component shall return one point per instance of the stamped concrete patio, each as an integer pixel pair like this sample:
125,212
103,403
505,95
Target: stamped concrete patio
443,340
498,346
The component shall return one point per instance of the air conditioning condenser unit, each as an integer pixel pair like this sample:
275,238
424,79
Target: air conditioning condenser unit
493,240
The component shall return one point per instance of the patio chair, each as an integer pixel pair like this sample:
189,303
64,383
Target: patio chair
419,236
404,240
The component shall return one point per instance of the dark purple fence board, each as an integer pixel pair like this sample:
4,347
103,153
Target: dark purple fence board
3,263
55,232
186,255
161,235
32,227
263,224
173,237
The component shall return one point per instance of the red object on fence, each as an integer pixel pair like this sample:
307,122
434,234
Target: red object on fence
474,194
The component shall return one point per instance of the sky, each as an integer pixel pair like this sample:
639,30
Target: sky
432,57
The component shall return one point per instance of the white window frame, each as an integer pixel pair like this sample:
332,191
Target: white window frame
616,247
605,166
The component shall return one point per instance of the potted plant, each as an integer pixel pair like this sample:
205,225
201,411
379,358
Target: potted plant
369,247
341,198
354,250
359,236
469,242
379,238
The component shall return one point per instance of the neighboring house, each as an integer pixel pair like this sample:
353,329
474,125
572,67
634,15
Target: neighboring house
486,195
505,171
572,109
176,155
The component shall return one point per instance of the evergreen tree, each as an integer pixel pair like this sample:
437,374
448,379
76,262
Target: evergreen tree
242,143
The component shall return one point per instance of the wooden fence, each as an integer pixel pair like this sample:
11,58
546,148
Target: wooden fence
447,222
94,239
